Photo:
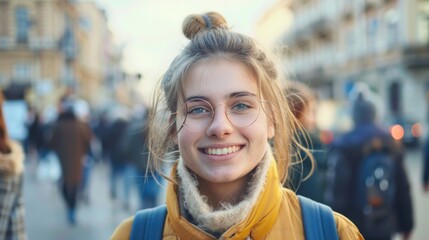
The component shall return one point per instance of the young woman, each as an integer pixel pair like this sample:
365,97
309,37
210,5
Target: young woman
220,108
12,225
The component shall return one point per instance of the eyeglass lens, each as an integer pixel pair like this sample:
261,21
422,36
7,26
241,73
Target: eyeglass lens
197,114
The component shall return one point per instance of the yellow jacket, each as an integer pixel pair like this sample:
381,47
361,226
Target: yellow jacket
276,215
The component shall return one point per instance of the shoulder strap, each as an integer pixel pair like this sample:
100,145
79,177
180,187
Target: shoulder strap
318,220
149,223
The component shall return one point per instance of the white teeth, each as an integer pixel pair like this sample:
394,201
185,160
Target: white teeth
222,151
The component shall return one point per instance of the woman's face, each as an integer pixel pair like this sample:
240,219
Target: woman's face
221,152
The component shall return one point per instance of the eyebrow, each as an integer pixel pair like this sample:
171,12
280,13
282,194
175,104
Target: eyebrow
231,95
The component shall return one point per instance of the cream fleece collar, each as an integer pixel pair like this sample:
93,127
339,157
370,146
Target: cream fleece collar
220,220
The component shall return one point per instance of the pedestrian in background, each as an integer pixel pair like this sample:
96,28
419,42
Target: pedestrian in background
135,148
307,179
34,132
426,166
12,224
71,142
378,202
82,112
121,169
220,106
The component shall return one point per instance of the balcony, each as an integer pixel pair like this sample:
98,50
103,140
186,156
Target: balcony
370,5
345,10
323,28
416,56
42,43
294,37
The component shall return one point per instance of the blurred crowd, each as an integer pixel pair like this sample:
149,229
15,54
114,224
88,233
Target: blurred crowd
73,138
79,138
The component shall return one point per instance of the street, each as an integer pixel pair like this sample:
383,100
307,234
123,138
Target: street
46,212
421,200
46,215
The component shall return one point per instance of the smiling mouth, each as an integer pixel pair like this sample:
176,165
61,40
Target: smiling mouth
221,151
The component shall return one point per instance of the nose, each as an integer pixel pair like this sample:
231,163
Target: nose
220,125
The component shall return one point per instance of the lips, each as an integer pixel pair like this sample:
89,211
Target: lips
221,151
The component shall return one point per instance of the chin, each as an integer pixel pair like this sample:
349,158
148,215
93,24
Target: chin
224,178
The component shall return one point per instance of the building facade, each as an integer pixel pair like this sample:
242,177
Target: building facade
335,44
47,46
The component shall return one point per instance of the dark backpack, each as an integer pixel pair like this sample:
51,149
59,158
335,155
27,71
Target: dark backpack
318,220
376,189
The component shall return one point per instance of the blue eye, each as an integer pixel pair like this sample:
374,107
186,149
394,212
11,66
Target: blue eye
240,107
198,110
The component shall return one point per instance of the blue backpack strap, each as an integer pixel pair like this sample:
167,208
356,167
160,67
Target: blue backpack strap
318,219
149,223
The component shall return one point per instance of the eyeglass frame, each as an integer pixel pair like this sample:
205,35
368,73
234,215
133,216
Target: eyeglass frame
260,101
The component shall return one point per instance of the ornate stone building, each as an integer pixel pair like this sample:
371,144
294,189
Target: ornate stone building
47,46
335,44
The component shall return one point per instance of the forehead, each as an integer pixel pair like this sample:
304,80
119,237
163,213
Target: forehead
217,78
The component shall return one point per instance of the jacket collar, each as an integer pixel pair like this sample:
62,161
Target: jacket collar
256,225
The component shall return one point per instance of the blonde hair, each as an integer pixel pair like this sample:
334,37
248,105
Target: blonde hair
210,37
299,96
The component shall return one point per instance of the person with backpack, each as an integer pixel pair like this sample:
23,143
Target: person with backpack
220,110
367,181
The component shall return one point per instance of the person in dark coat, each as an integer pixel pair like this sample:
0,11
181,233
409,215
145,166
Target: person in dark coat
70,141
120,166
342,193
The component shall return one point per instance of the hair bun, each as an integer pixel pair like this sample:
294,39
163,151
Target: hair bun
196,23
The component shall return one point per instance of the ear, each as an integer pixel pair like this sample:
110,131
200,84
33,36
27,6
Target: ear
270,129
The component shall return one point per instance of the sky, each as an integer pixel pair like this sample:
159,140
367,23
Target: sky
150,30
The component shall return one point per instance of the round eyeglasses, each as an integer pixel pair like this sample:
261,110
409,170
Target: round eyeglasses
197,114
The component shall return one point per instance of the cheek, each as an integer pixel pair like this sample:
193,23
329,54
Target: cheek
260,132
181,138
185,139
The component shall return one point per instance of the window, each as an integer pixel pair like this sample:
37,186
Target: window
3,19
394,97
350,43
371,31
3,80
392,19
85,23
22,72
22,21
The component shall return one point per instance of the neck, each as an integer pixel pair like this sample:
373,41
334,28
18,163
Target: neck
221,193
217,210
